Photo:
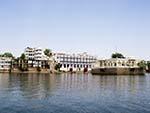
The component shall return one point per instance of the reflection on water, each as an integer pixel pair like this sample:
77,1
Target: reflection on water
32,93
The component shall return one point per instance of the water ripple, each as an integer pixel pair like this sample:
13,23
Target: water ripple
31,93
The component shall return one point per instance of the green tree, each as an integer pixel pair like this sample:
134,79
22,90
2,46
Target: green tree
117,55
58,66
8,54
23,63
48,52
23,56
148,64
142,64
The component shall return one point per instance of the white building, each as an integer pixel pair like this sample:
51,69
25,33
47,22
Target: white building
36,56
34,53
75,62
5,63
117,62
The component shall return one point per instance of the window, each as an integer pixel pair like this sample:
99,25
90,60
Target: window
67,65
64,65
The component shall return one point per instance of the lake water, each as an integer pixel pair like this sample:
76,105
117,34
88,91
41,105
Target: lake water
66,93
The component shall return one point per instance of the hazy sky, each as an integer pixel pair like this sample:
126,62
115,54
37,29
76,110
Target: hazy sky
99,27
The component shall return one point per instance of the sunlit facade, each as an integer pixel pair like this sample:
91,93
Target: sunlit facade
5,63
75,62
35,56
117,62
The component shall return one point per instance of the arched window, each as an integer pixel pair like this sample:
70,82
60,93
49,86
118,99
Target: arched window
123,64
67,65
64,65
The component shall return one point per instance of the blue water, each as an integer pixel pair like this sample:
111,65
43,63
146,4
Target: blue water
23,93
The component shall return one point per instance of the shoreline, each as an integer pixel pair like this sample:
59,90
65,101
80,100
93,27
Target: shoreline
43,71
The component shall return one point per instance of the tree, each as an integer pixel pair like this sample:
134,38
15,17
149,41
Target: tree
8,54
23,63
58,66
142,65
117,55
23,56
148,64
48,52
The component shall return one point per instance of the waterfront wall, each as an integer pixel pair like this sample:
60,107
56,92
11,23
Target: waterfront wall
31,70
4,70
118,71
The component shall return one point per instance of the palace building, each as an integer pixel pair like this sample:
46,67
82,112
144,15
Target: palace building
117,62
75,62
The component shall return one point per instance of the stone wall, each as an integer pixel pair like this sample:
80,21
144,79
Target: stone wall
118,71
4,71
31,70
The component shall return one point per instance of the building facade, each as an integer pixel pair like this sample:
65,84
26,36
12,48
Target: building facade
118,62
36,57
118,66
5,63
75,62
34,53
